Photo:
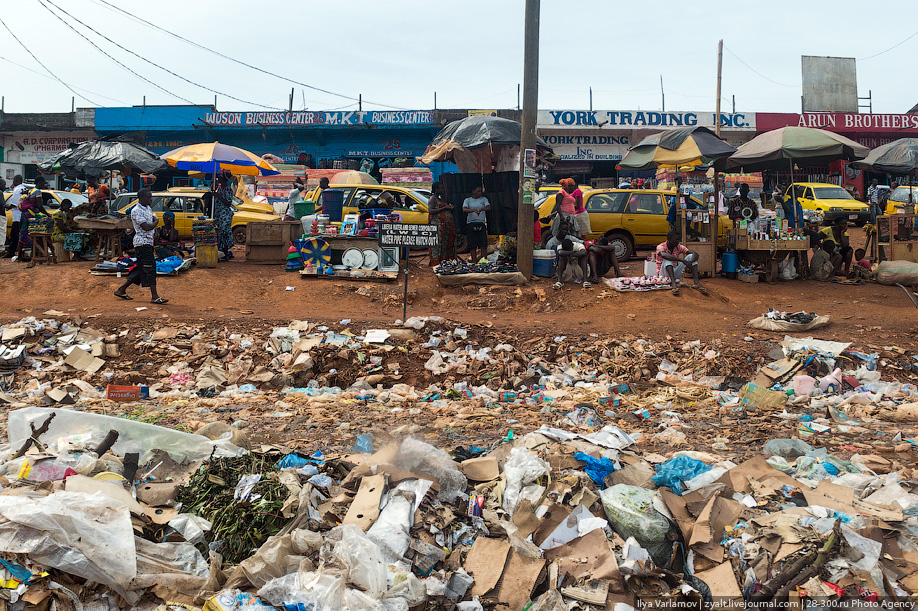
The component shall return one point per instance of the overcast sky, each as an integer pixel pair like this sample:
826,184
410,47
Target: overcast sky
398,53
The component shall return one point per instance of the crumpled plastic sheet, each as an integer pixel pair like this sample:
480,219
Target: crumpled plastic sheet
677,470
597,468
87,535
176,557
521,468
390,531
415,455
133,436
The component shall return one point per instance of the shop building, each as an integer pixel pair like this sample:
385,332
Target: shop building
27,139
590,143
367,140
871,130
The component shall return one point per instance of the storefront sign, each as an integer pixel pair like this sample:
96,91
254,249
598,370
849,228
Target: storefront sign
35,147
318,119
840,122
582,147
640,119
409,235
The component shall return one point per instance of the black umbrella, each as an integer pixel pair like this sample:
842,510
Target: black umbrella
899,157
96,157
474,133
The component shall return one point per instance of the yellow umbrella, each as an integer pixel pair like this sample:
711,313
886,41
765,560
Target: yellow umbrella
353,177
214,157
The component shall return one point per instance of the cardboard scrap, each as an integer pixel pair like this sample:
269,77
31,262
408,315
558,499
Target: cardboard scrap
83,361
485,563
12,333
482,469
364,510
722,581
520,577
590,555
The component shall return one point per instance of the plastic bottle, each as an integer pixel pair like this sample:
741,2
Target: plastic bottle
832,382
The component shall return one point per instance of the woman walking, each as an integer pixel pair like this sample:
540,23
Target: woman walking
440,213
223,214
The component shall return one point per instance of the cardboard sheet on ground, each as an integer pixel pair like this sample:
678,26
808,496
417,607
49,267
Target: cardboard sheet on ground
757,468
520,578
722,581
83,361
485,563
512,279
589,555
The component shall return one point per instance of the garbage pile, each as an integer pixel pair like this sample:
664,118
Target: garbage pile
430,466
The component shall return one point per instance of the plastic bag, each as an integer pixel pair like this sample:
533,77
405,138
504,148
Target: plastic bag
362,559
190,526
280,555
787,270
677,470
789,449
133,436
411,590
390,531
767,324
90,536
415,455
521,468
596,468
631,513
177,557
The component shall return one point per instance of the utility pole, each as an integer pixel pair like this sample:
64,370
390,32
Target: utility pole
591,99
524,218
720,64
662,94
291,99
359,102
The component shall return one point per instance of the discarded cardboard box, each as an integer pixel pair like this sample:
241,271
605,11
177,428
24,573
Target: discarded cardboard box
114,392
482,469
83,361
364,509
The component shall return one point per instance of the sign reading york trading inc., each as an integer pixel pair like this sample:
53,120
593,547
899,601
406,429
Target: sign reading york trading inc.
319,118
638,119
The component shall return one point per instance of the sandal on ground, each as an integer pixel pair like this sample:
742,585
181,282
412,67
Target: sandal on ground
676,291
587,285
124,296
700,288
557,285
159,301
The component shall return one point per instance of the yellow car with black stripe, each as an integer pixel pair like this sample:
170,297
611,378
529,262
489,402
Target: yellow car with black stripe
632,219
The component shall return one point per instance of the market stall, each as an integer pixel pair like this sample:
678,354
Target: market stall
897,235
766,241
686,147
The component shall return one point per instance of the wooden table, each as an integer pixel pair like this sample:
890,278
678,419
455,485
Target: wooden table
106,233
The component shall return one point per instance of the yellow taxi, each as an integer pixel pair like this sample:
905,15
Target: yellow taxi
244,201
410,204
77,199
833,201
187,205
898,200
631,218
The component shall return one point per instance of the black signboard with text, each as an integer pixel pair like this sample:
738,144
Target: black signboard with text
408,235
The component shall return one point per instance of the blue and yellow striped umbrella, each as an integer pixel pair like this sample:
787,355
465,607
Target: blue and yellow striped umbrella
213,157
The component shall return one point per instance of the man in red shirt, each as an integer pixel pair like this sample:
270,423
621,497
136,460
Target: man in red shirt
672,258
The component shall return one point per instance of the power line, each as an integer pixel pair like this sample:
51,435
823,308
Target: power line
103,52
48,70
756,71
889,49
42,2
240,62
48,77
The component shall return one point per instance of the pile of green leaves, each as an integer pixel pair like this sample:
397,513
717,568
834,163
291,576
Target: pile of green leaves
241,527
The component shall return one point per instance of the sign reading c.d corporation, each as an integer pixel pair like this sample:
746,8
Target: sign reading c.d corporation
640,119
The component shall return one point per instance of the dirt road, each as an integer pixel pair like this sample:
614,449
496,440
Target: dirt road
236,291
